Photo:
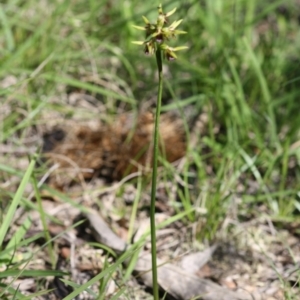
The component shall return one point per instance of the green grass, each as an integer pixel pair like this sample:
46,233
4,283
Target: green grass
241,72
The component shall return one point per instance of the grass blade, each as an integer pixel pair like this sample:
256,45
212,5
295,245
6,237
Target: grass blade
16,200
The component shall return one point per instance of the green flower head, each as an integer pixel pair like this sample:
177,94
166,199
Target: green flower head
158,33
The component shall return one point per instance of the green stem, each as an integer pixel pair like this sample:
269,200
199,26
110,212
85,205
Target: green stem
154,175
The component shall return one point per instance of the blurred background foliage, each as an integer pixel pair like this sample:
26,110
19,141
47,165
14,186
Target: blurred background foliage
241,69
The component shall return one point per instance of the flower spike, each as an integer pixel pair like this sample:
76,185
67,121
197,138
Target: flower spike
157,34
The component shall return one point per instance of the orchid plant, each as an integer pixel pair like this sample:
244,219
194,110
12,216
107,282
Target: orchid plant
157,36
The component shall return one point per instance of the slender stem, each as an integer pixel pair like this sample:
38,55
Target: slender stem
154,175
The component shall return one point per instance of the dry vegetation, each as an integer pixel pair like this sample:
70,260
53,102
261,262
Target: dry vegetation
117,150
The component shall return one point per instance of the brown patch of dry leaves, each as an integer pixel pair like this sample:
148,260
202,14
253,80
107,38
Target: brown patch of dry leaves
117,150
